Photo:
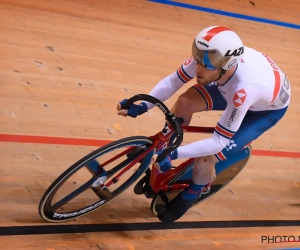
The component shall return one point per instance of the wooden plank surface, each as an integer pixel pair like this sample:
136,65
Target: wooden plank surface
65,65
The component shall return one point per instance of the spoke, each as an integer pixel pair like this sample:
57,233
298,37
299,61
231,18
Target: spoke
72,195
132,161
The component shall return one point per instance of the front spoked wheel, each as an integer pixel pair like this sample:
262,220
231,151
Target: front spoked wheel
96,179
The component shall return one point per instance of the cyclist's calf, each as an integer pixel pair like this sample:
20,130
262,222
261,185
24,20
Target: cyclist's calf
182,108
204,169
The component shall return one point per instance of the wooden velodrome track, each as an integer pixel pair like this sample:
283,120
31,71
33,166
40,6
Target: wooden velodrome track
65,65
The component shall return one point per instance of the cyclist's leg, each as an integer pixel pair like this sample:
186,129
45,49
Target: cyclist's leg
196,99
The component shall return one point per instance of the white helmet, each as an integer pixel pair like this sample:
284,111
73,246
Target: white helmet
217,47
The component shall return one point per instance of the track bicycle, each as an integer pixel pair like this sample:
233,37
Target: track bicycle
107,171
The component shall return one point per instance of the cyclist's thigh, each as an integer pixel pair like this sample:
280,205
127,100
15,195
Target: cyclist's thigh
205,98
253,126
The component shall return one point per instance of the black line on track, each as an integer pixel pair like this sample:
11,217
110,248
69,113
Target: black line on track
88,228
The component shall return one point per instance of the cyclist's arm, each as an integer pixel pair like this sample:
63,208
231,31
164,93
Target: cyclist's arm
227,126
170,84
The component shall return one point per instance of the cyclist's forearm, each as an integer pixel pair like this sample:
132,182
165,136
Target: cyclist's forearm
165,88
201,148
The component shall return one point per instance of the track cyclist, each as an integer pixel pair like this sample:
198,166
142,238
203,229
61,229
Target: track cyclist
245,83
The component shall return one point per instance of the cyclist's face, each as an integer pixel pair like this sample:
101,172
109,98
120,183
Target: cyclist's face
208,67
205,76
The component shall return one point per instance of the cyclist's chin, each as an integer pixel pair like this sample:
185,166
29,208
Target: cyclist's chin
202,81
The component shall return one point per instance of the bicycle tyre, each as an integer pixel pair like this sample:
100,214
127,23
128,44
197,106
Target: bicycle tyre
45,211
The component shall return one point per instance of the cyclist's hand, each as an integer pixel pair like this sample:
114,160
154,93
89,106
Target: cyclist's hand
165,164
133,111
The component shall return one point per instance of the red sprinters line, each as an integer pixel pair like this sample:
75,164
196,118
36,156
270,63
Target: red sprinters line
260,152
52,140
93,142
